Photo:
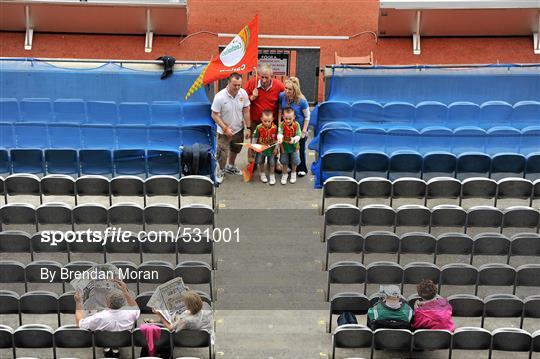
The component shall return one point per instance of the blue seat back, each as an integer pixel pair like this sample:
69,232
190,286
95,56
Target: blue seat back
468,139
530,140
430,113
27,161
333,111
463,113
369,139
399,114
36,110
134,113
495,113
102,112
96,162
129,162
9,110
398,139
163,162
526,113
435,139
502,139
367,113
64,161
69,110
167,113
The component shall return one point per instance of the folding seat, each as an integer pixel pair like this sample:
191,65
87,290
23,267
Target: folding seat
12,272
191,248
337,162
43,244
374,190
415,272
40,302
470,338
454,244
90,216
134,113
64,131
106,339
128,245
473,165
442,190
161,162
351,336
502,139
31,135
345,272
36,110
381,242
417,243
66,305
189,338
165,138
69,111
478,188
438,165
93,189
371,164
131,136
529,140
466,306
483,219
196,273
77,267
435,139
367,113
62,187
193,134
513,191
405,164
411,218
525,113
197,186
96,162
196,215
397,113
458,274
164,272
127,216
196,114
33,336
23,188
338,242
27,160
393,339
127,189
340,215
430,113
15,242
401,139
367,140
54,216
18,216
525,244
9,110
447,218
142,301
103,112
409,190
511,340
531,309
495,113
432,339
506,165
333,111
161,189
139,339
520,219
161,217
7,136
5,162
502,306
382,272
166,113
338,187
34,274
528,275
490,244
536,194
167,245
353,302
377,217
9,310
65,161
463,113
468,139
130,162
532,169
496,275
73,337
98,132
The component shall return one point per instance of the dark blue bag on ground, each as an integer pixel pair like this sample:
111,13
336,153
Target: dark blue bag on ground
346,318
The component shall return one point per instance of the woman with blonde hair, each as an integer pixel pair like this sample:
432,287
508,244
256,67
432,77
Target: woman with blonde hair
292,97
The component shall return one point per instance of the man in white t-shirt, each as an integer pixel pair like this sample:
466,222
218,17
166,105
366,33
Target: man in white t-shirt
230,111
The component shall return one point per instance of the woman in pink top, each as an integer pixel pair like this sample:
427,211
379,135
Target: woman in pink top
431,311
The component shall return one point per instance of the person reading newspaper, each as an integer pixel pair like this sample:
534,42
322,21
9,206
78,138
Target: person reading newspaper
121,314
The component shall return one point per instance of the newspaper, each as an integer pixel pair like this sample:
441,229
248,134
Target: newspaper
95,284
167,299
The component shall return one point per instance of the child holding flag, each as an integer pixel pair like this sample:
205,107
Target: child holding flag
288,137
266,134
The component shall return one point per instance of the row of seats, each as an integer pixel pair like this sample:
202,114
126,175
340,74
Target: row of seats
94,186
153,272
135,161
463,305
412,164
429,113
354,336
40,336
446,217
78,111
465,139
435,188
420,243
452,274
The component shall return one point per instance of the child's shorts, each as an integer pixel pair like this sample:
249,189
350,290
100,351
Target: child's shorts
292,159
261,158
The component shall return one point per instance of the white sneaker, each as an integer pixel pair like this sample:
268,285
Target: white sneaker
272,180
293,177
219,176
284,179
301,174
263,178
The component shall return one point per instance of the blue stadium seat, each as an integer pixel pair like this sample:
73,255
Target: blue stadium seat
96,162
31,135
194,134
405,163
36,110
502,139
369,139
463,113
62,161
196,114
5,163
135,136
495,113
336,137
371,164
134,113
430,113
336,163
472,164
435,139
505,165
69,111
65,135
367,112
468,139
163,162
402,138
438,164
7,135
397,113
167,113
164,137
27,160
129,162
526,113
98,136
9,110
333,111
530,140
102,112
532,170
